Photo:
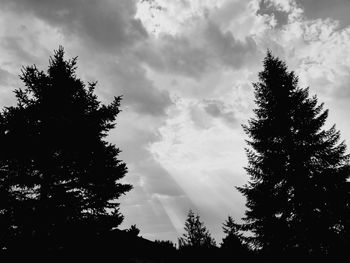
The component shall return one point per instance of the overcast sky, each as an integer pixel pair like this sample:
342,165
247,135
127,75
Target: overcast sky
184,68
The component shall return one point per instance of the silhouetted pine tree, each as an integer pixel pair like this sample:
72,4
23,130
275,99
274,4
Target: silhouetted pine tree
233,240
197,235
133,230
58,174
298,194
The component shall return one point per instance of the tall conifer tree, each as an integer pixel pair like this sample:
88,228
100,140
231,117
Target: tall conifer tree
197,235
298,194
59,176
233,240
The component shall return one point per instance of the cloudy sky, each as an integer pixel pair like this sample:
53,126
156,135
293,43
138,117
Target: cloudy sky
185,69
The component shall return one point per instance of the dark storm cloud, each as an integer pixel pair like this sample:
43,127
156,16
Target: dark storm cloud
195,54
138,91
106,31
105,23
175,54
227,49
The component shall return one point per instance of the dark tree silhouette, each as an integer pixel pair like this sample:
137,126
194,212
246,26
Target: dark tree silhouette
58,173
133,230
165,244
298,194
233,240
197,235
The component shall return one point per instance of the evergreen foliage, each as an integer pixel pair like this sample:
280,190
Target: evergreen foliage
298,193
166,244
133,230
58,180
233,240
197,235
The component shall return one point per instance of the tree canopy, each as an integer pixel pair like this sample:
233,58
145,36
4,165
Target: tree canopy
233,239
196,234
298,193
59,176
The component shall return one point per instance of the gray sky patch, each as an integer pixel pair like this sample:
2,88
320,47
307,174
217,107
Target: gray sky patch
334,9
267,8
